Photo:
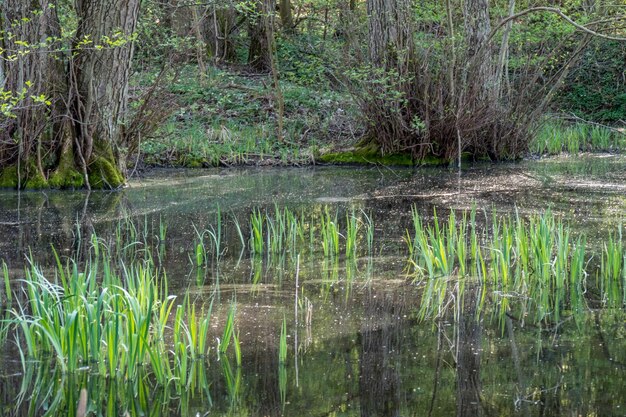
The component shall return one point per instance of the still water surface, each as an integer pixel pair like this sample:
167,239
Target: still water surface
356,347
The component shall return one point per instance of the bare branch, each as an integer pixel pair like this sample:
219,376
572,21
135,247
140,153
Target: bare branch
561,14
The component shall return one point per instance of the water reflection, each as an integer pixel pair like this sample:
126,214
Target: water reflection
360,349
386,367
379,350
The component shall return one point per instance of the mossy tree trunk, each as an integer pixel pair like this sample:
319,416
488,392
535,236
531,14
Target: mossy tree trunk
99,80
67,131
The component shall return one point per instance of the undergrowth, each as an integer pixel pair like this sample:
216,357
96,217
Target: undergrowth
230,119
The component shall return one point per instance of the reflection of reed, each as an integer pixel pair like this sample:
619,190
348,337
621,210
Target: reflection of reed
44,391
308,321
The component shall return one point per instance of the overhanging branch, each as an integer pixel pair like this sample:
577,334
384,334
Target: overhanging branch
559,13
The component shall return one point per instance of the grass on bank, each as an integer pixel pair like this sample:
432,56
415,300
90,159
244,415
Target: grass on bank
556,136
230,119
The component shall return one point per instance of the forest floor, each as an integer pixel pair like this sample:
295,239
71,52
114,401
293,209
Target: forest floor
231,118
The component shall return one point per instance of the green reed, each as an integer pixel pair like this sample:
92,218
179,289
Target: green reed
368,223
353,225
199,249
229,332
612,274
329,234
256,232
532,267
46,391
6,301
109,316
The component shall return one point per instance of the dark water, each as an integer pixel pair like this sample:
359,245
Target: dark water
360,350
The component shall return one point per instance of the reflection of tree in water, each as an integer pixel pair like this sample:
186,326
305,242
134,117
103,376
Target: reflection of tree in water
379,342
469,350
266,367
31,222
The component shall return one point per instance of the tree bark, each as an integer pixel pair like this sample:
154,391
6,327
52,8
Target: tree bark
220,28
26,68
99,76
390,32
75,104
259,54
286,16
477,32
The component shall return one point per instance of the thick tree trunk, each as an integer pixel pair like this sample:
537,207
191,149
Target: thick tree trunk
99,75
74,106
390,32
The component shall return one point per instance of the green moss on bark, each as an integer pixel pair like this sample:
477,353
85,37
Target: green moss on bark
36,181
103,174
31,178
68,178
66,175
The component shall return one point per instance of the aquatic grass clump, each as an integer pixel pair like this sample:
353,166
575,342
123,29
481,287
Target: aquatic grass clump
282,231
113,318
329,234
529,267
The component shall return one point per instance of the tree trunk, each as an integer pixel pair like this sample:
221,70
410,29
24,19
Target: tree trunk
27,72
221,24
259,54
99,77
286,16
390,32
75,105
478,29
501,78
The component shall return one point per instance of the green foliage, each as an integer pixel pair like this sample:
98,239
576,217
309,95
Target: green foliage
596,88
8,177
301,64
230,120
